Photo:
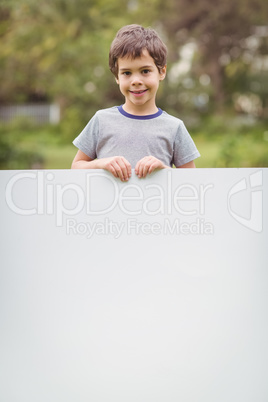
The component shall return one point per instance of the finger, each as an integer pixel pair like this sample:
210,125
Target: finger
140,170
156,164
118,170
124,168
140,166
145,169
153,167
113,171
128,167
147,164
129,170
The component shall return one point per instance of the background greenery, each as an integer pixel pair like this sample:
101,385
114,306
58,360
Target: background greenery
57,51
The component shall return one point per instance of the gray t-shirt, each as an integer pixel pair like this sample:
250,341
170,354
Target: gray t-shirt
114,132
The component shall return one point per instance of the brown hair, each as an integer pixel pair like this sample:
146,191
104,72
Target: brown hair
131,40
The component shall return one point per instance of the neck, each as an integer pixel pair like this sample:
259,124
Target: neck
140,111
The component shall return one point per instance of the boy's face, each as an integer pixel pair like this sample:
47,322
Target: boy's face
138,80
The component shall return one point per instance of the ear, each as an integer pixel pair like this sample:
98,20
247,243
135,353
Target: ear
117,80
163,72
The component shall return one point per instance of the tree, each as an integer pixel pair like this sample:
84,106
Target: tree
58,49
219,28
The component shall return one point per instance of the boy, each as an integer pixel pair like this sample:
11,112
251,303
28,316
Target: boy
137,133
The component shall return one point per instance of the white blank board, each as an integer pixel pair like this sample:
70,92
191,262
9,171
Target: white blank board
150,290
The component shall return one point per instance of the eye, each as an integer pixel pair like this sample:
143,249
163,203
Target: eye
146,71
127,73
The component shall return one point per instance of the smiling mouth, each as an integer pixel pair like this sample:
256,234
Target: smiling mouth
138,93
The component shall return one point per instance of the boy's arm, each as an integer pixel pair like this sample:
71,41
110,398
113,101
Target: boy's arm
187,165
117,165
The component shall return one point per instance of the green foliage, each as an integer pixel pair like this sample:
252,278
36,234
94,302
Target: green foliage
225,141
12,155
72,124
227,36
53,49
58,50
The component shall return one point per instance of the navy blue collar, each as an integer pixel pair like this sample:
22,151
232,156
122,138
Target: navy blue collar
133,116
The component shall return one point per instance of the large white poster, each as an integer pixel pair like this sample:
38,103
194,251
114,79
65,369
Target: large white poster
151,290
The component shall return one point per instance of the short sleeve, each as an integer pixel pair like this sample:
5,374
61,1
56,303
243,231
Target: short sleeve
87,140
184,147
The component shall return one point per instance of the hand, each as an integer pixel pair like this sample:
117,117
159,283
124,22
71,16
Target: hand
117,165
147,165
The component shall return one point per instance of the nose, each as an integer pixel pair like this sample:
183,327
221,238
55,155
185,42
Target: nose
136,79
